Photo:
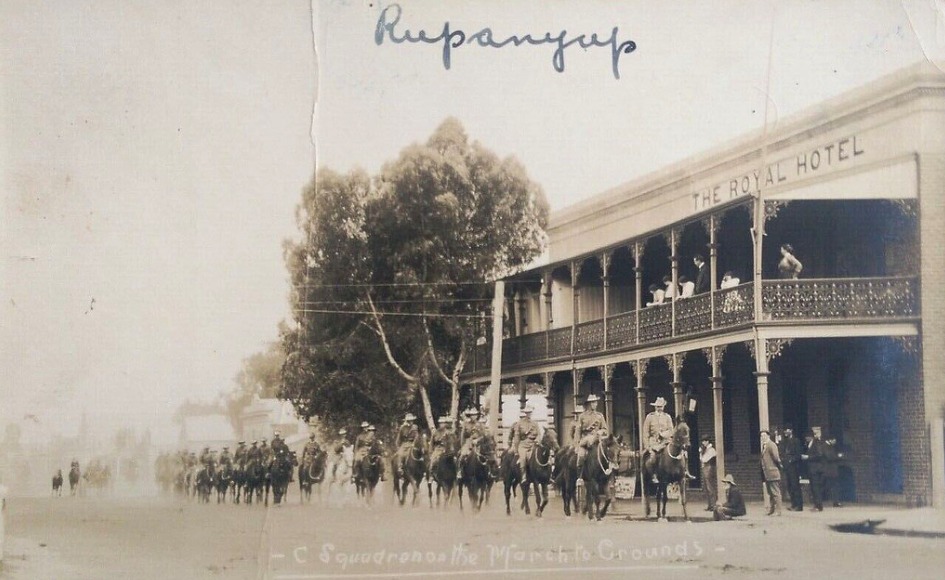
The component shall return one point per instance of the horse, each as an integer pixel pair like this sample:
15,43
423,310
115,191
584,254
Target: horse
73,479
57,483
443,471
669,467
236,482
476,473
253,475
414,470
280,470
512,475
538,471
565,476
311,472
204,483
367,474
599,463
223,479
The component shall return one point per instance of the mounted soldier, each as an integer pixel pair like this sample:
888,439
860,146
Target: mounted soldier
590,427
253,453
205,456
311,448
406,437
657,431
239,457
523,436
573,433
265,453
225,457
470,434
279,446
443,439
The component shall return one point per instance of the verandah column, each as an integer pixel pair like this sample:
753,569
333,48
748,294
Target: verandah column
715,354
546,283
674,362
550,403
639,369
605,278
713,263
674,265
575,272
608,373
638,276
577,375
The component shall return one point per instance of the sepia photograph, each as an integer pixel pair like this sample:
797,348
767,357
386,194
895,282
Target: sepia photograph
350,289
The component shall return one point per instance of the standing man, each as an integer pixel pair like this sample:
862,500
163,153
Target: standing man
771,471
815,458
707,455
790,450
702,278
591,424
658,429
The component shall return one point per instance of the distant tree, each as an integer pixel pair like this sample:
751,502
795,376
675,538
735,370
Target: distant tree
260,374
407,257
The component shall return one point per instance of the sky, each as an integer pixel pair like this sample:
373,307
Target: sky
151,155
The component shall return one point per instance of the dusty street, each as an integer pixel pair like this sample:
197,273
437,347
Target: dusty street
165,538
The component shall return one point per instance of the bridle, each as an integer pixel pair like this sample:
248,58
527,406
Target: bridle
601,457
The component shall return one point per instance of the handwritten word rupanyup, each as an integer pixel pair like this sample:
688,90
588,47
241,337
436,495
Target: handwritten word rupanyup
450,39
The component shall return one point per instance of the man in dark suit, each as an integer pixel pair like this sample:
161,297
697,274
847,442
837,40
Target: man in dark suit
790,449
702,278
816,458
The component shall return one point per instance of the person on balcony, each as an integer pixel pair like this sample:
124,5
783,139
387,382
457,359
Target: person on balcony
729,281
671,291
688,287
703,284
789,268
658,295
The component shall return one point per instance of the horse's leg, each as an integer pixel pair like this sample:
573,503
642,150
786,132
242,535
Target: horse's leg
508,497
682,497
524,486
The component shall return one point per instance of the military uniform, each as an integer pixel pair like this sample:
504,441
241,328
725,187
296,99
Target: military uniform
363,444
311,449
279,446
522,437
406,438
240,456
265,453
588,428
657,431
253,453
443,440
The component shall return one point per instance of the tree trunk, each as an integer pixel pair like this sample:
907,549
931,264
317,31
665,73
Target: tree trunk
427,409
454,402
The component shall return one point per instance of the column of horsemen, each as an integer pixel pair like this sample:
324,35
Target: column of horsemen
463,456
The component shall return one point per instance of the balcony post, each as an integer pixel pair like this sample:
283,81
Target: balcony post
674,361
638,275
575,272
605,278
577,375
718,413
608,372
713,265
517,311
550,403
639,369
758,232
546,283
674,265
761,378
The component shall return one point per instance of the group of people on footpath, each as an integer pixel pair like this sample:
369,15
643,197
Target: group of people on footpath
783,461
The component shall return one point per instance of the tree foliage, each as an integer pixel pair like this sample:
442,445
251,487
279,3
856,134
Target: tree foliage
391,273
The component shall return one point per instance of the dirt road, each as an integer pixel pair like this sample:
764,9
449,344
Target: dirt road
167,538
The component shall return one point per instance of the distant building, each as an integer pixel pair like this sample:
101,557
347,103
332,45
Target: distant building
265,416
199,431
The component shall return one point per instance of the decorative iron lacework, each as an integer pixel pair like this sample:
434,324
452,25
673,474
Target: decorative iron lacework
842,298
734,306
622,330
559,342
693,314
590,336
656,322
534,347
